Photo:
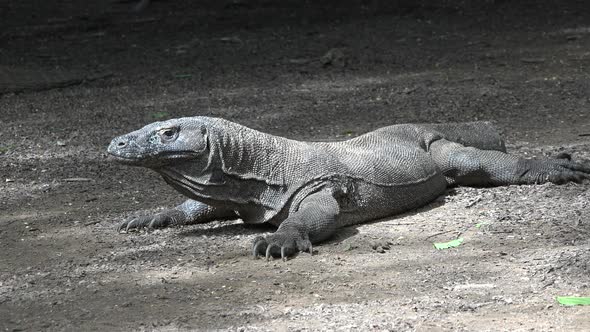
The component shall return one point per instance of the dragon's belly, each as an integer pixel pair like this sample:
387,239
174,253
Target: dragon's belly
374,202
390,179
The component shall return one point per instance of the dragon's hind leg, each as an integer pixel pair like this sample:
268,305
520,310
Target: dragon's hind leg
474,167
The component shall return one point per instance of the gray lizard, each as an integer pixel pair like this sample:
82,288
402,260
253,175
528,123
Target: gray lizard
311,189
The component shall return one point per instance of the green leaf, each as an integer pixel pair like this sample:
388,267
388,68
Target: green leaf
183,75
160,115
450,244
573,300
348,132
479,225
4,149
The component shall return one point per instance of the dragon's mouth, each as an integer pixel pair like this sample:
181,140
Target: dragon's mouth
163,157
125,159
177,154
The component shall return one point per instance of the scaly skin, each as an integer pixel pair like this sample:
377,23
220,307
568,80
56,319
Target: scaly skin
310,189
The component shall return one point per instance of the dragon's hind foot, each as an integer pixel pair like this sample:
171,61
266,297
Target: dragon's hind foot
561,170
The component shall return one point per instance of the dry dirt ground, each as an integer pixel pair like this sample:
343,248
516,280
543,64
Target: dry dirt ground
74,74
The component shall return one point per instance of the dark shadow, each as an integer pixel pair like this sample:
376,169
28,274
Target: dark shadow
226,228
350,231
232,228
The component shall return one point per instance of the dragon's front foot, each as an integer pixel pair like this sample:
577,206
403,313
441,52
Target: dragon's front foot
283,243
158,220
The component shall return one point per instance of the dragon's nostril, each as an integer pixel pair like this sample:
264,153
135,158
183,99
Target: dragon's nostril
121,144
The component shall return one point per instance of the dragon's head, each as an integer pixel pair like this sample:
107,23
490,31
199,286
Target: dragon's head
162,143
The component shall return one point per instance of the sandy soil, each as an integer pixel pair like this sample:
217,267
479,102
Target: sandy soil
74,74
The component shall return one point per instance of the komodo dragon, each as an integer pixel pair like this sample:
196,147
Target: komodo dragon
311,189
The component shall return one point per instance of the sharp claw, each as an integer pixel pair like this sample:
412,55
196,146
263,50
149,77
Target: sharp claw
283,256
268,252
255,250
310,249
130,225
151,224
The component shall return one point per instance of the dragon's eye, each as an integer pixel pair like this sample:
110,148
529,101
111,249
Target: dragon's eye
168,134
